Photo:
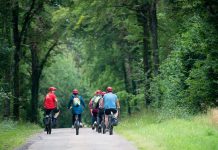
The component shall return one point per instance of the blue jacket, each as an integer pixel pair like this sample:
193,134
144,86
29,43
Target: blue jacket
76,109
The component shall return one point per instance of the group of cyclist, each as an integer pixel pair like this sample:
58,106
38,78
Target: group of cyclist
102,103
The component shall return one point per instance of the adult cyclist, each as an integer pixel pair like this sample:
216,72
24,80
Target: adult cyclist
100,110
51,104
77,103
93,107
111,104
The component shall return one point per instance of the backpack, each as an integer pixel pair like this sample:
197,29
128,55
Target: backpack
76,101
95,101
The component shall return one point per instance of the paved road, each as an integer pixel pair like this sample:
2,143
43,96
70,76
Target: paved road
66,139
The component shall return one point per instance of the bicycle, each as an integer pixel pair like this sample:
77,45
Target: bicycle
103,126
112,121
48,123
100,124
77,124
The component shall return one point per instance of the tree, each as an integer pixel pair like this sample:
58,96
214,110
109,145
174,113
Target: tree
19,36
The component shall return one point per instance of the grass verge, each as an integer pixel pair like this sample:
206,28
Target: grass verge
197,133
14,134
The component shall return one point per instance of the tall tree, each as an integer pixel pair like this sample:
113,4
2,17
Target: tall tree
154,35
17,43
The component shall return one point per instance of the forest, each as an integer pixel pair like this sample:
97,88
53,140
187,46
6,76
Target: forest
160,55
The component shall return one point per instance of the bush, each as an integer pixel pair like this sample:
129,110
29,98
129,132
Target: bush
188,81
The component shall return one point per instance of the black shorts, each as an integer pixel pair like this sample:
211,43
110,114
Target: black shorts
108,111
48,111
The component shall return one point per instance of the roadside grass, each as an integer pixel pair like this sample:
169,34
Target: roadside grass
13,134
147,133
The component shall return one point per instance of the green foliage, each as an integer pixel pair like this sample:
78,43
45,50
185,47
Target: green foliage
187,78
14,134
147,132
166,88
97,39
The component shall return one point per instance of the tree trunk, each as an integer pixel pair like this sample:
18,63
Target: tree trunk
128,81
16,77
35,76
18,37
143,15
153,28
37,68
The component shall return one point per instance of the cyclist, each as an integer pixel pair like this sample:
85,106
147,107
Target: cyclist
100,110
93,107
77,103
51,104
111,104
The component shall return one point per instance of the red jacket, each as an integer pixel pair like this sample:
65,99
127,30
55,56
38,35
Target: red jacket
50,101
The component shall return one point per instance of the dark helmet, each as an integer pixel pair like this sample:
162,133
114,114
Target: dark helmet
98,92
52,89
109,89
75,91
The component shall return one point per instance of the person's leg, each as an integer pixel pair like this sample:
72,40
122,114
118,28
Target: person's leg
47,111
106,121
93,119
107,112
80,117
101,115
80,120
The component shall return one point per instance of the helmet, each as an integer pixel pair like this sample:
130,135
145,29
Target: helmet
109,89
75,91
102,93
98,92
52,89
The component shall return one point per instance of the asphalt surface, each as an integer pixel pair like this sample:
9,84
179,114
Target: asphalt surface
66,139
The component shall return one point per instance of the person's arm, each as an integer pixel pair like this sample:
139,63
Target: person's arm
118,104
90,106
118,107
56,102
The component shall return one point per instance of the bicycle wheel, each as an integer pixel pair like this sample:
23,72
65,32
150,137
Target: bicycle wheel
77,130
110,125
76,125
47,130
111,130
104,129
49,127
103,126
99,128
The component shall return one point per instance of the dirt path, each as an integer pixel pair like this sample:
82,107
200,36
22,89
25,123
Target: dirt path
66,139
